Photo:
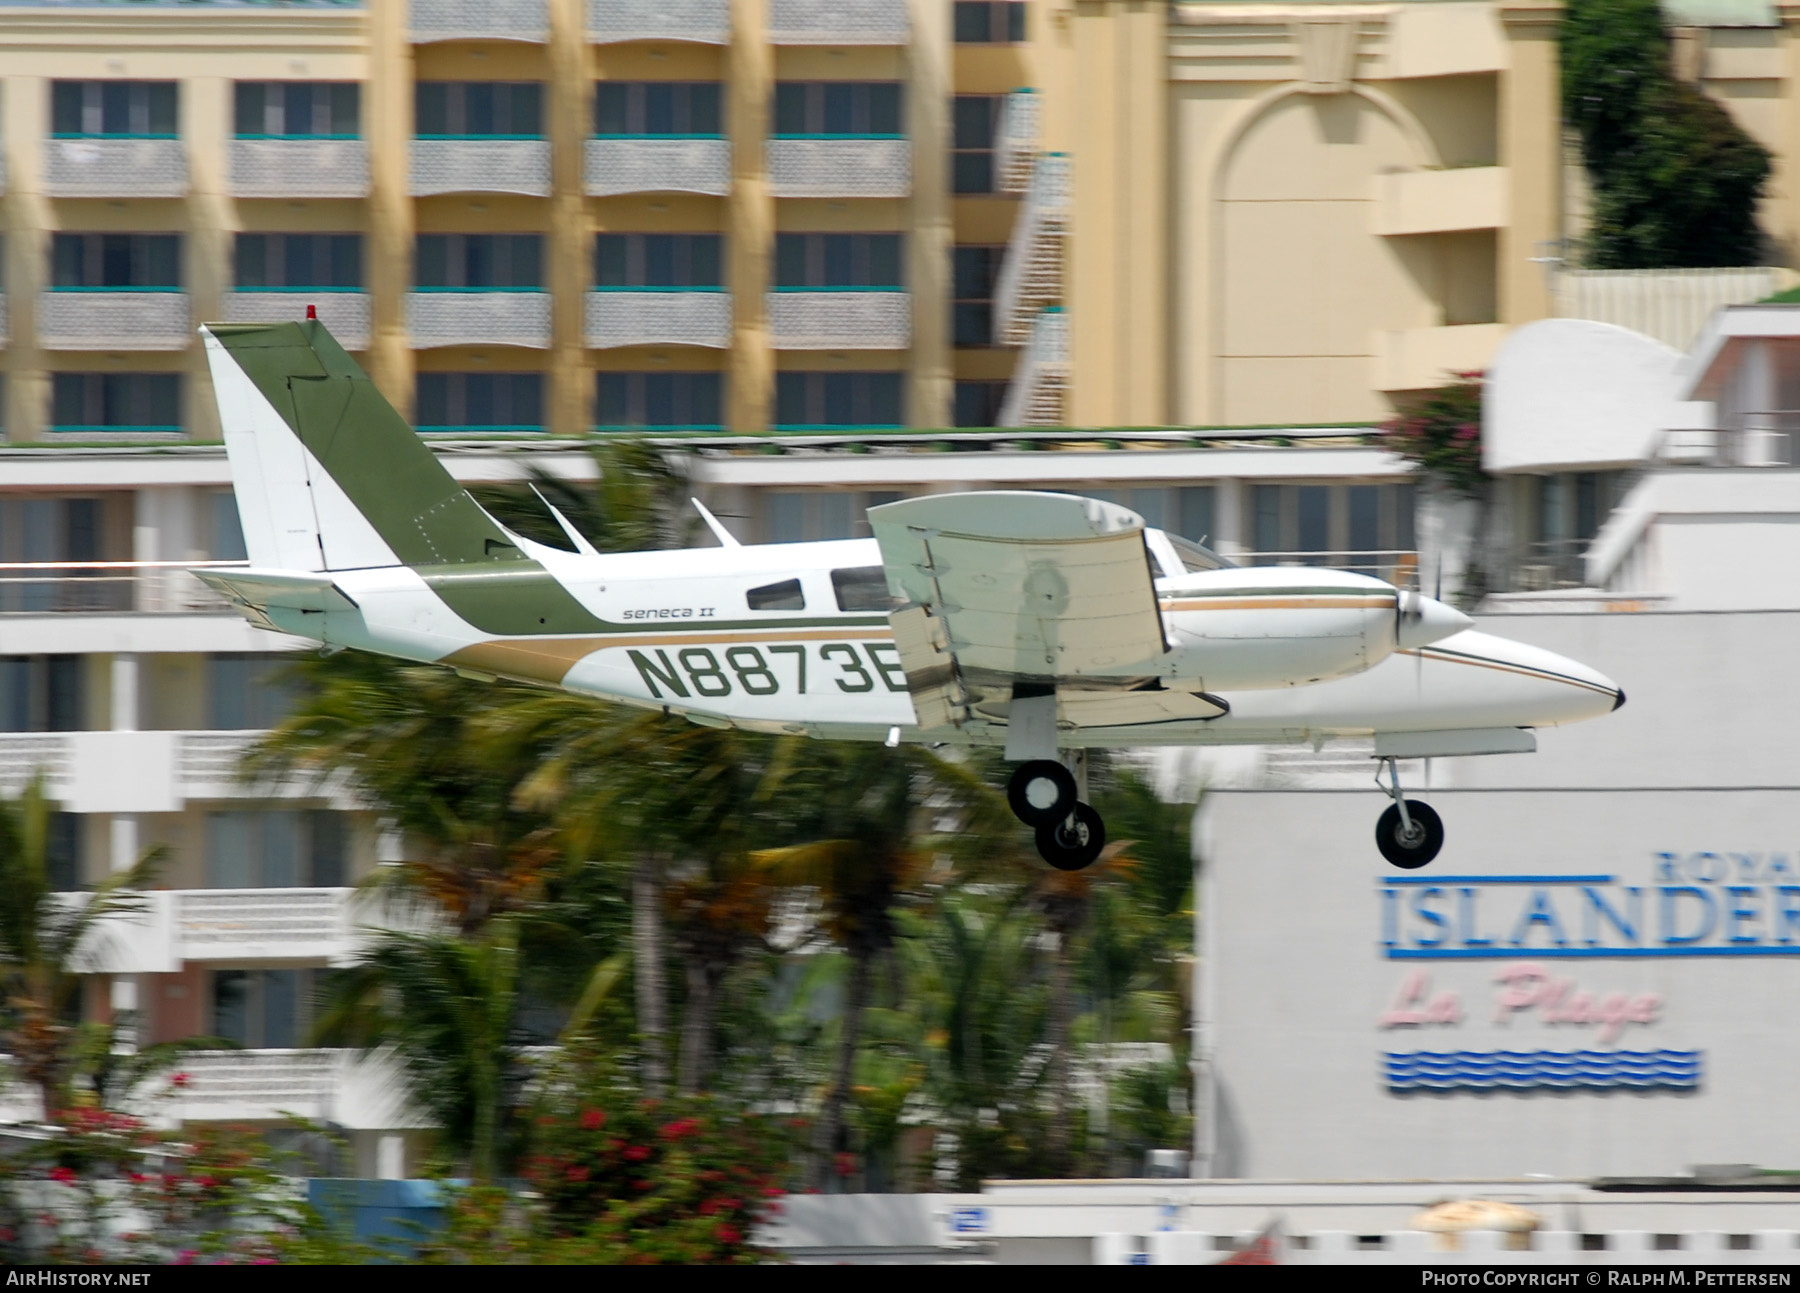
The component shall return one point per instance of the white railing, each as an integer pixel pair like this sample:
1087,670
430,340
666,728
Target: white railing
838,22
1031,275
24,755
613,166
211,758
1671,305
479,319
1016,140
432,20
658,318
220,924
349,315
114,320
89,587
707,22
840,168
1035,396
299,168
840,320
256,1084
115,168
1769,439
519,166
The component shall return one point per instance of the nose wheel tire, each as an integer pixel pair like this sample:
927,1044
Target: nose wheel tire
1072,841
1409,850
1041,791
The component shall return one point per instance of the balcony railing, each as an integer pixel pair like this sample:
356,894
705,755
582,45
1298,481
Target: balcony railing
107,320
477,318
258,1084
867,167
115,168
1031,276
519,166
1769,439
658,164
1016,140
235,924
838,22
89,587
1036,395
707,22
653,318
858,320
299,168
24,755
434,20
347,314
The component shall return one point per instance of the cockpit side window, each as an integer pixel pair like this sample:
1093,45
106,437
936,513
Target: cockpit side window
784,596
862,588
1195,557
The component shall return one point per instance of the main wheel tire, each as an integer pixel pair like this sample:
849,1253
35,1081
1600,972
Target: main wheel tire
1409,852
1041,791
1072,841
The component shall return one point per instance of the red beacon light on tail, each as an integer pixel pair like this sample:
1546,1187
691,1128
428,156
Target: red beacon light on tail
312,311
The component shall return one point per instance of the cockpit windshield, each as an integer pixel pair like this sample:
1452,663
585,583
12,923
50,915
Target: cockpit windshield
1196,557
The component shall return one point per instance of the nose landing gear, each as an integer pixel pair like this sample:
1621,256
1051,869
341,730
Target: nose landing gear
1047,796
1409,833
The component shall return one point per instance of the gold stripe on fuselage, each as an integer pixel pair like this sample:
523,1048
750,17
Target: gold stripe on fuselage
550,659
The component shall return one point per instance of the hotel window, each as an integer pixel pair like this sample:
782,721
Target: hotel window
975,122
480,402
247,691
116,262
281,848
1366,528
659,401
989,22
837,401
1186,510
313,261
112,109
973,273
35,528
689,109
658,260
978,402
851,109
62,852
480,262
108,402
478,109
807,515
227,528
42,693
262,1009
298,109
837,261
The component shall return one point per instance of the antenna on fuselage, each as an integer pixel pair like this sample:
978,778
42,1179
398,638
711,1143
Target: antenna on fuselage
725,537
576,537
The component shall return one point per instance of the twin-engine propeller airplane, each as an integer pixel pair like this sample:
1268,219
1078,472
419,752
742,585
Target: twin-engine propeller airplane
1043,623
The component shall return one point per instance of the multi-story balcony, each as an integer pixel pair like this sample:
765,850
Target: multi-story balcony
347,314
1016,140
134,772
481,165
81,319
115,168
1034,398
706,22
840,167
658,164
1031,276
862,319
299,168
435,20
478,318
838,22
657,317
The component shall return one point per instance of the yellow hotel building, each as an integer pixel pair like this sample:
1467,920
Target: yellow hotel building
754,215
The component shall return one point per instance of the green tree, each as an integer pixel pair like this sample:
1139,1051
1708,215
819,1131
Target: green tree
1676,180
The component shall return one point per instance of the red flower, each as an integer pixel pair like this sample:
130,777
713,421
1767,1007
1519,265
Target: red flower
637,1153
62,1174
729,1234
593,1119
642,1185
179,1079
679,1128
577,1174
845,1164
773,1192
707,1207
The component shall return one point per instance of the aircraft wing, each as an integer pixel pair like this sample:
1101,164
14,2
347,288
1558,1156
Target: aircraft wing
1011,587
256,592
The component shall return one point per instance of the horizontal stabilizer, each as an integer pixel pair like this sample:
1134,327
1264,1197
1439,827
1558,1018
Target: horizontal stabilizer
277,589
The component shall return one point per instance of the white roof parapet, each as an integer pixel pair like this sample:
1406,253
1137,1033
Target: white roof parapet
1697,373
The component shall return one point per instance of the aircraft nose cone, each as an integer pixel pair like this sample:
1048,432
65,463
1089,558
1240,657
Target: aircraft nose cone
1620,701
1424,620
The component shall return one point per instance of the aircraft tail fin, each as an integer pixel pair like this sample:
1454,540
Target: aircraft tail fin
329,476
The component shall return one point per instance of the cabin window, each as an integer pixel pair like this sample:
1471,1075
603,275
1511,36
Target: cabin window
785,596
862,588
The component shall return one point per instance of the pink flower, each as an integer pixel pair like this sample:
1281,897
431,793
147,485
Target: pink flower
178,1080
593,1119
729,1234
637,1153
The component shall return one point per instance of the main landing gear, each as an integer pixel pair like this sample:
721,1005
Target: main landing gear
1046,795
1409,833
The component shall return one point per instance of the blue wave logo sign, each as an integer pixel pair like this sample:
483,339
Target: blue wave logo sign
1528,1070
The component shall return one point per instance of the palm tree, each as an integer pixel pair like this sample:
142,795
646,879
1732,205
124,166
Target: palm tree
45,941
